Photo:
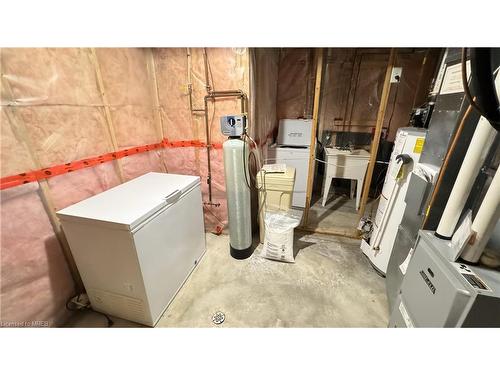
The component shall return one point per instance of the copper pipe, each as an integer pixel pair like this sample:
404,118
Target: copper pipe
205,60
212,96
209,168
190,84
445,163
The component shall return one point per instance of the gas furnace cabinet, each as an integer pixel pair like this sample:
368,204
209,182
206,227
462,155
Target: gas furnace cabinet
136,244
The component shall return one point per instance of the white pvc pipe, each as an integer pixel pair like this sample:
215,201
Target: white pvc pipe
485,220
474,159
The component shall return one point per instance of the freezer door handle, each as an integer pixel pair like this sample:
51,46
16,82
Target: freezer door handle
174,196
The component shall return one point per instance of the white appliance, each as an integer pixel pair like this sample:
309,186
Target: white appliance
409,141
345,164
294,132
136,244
292,148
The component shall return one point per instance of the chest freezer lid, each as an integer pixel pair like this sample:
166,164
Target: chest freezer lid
127,205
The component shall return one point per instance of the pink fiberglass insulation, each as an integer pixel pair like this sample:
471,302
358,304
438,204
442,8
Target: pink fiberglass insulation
35,280
56,76
215,215
229,71
134,126
128,90
125,76
128,86
173,77
178,69
15,157
192,161
183,160
71,188
56,114
63,134
136,165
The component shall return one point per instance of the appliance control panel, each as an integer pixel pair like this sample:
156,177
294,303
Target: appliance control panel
233,125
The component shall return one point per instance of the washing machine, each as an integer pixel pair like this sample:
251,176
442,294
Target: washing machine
292,148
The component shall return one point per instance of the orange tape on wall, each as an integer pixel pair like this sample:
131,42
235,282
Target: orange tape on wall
44,173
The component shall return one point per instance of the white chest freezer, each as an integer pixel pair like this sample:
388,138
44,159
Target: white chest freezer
136,244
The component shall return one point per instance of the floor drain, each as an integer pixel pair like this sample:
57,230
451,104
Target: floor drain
218,318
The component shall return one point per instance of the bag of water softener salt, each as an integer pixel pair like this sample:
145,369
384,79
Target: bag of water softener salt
278,240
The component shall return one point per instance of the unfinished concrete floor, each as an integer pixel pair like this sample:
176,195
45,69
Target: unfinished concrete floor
339,214
330,285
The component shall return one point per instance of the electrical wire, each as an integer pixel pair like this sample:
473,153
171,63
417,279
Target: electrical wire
262,189
245,161
86,307
377,180
393,109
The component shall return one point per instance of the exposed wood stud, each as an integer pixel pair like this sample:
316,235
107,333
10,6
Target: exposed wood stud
312,148
107,113
155,94
336,232
19,128
378,131
323,104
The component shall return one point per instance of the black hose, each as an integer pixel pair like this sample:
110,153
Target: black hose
483,83
245,161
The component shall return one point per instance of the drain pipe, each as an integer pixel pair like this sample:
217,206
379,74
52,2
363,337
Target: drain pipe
485,221
474,158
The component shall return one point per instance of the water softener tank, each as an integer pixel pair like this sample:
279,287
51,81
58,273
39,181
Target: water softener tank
238,197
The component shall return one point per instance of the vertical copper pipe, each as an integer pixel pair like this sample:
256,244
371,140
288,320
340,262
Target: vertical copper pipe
209,169
207,81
